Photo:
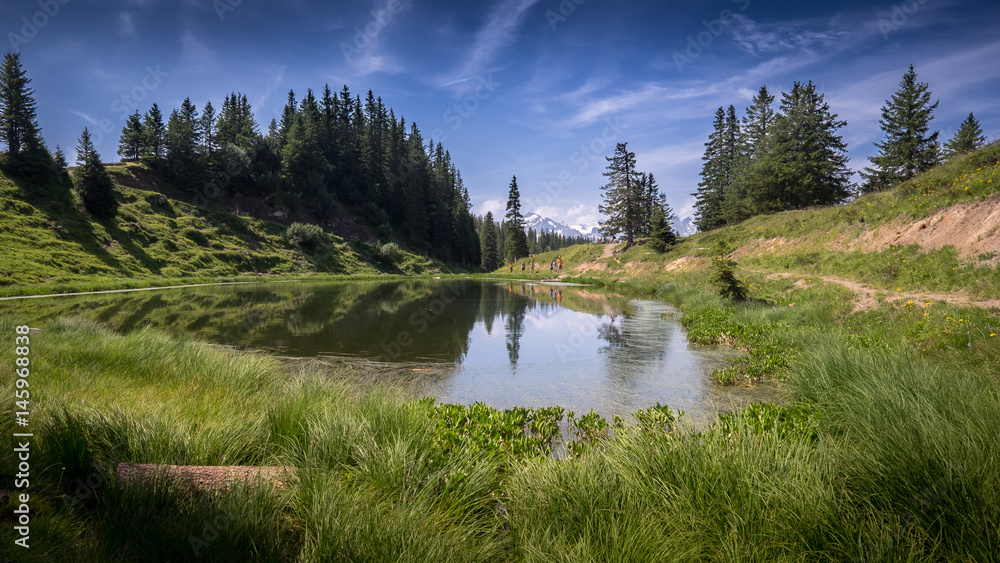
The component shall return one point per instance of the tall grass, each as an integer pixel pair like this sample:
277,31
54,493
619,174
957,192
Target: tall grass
888,456
916,443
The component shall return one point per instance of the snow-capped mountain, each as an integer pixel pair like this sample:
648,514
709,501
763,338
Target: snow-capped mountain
539,223
683,227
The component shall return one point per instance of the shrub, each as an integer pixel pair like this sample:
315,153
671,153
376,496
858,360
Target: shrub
388,250
304,234
724,276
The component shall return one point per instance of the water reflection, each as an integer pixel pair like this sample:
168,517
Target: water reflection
506,344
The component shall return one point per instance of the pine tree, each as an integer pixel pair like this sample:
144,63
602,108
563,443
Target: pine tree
287,118
758,122
908,148
236,125
59,165
517,240
491,258
623,196
209,140
130,144
733,162
154,134
18,125
968,138
806,161
661,234
304,168
711,189
96,188
181,141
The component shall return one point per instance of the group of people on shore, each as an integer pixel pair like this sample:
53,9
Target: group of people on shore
554,265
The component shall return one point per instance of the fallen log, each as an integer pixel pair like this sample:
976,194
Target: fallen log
205,477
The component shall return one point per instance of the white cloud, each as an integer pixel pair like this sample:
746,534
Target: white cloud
686,209
126,25
368,63
551,211
492,205
757,38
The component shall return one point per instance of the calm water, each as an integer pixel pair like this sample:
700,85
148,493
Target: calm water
504,344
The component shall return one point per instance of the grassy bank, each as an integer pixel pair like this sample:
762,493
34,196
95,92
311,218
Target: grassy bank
883,452
51,244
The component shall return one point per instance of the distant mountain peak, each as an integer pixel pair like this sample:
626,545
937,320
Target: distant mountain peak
541,223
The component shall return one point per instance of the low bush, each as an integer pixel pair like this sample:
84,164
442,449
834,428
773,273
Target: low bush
304,234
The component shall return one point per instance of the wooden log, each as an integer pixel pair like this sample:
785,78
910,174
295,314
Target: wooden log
205,477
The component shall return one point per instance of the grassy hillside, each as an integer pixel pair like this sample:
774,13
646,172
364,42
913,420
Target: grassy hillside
937,232
48,239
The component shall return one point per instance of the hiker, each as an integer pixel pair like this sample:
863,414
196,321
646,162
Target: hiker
532,266
512,267
522,267
552,265
559,261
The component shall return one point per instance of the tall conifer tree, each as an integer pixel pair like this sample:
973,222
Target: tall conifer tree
623,196
517,240
96,188
18,125
491,257
968,138
131,142
711,189
909,147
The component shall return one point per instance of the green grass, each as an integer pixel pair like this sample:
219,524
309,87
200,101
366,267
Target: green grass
884,448
886,454
814,241
52,243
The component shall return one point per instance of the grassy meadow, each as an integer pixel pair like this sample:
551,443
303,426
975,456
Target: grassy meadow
884,449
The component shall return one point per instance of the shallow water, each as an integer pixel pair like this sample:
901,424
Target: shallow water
504,344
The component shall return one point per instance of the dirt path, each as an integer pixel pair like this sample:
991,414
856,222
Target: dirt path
868,298
609,250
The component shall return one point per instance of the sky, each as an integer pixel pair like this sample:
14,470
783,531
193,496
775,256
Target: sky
540,89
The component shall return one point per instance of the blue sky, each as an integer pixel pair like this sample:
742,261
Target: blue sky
538,88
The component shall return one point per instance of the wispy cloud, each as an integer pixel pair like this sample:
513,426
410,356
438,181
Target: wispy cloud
196,57
500,29
126,25
755,38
